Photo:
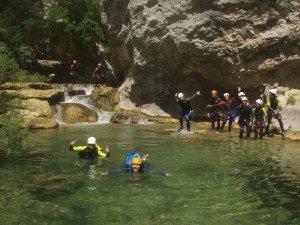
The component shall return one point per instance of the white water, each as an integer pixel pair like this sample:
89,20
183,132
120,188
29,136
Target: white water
86,100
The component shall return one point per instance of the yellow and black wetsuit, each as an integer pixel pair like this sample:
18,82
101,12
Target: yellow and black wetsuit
85,152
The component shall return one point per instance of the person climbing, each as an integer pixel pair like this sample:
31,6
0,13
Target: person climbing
273,105
134,164
99,76
186,109
260,118
215,110
91,150
74,71
228,113
245,113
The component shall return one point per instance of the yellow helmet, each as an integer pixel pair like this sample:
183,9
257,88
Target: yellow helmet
214,91
74,61
136,161
99,64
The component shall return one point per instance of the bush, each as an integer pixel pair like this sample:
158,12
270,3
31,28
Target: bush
12,134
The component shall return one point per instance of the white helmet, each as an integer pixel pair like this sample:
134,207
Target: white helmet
244,98
241,94
273,91
226,94
180,95
259,101
91,141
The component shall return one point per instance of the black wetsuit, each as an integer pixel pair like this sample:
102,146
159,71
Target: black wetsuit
228,113
186,111
215,112
273,104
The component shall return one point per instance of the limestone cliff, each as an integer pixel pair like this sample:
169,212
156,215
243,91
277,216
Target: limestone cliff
160,47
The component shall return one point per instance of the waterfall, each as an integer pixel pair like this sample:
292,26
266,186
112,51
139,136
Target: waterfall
83,99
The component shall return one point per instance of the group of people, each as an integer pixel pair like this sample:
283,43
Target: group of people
134,163
222,110
98,75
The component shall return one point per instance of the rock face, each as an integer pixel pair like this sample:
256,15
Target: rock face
160,47
74,113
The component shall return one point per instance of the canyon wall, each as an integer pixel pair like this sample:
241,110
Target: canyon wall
160,47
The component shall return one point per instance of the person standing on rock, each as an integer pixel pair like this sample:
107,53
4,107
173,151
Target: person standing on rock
74,71
228,113
186,109
260,118
245,113
91,151
215,110
273,105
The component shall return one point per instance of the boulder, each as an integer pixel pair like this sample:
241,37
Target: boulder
74,113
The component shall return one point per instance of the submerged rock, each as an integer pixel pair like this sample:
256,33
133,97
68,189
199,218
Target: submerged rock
50,184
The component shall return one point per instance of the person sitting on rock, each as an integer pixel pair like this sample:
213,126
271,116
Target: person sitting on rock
91,150
135,166
186,109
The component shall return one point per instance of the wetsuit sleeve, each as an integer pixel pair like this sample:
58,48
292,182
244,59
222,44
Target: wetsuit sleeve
279,104
118,171
176,99
251,112
78,148
151,171
236,113
190,98
265,114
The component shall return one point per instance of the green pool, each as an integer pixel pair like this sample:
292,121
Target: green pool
217,179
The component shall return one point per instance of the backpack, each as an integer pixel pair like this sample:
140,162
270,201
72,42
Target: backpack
129,158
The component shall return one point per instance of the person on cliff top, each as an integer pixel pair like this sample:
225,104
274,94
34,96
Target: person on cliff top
260,118
99,76
273,105
228,112
245,113
215,110
186,109
134,164
91,150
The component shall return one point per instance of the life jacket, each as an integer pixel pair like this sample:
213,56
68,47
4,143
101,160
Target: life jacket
245,113
129,158
259,114
274,103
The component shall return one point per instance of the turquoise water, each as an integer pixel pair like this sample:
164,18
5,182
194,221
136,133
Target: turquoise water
217,179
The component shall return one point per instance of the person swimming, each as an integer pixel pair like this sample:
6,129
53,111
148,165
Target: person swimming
136,165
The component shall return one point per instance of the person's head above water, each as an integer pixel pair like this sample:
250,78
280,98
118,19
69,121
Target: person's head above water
91,142
136,164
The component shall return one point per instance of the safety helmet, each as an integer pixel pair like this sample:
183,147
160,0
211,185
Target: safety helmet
74,61
226,94
241,94
91,141
273,91
244,98
259,101
136,161
99,64
180,95
214,91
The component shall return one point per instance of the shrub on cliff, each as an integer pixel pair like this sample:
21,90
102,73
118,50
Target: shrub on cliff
12,134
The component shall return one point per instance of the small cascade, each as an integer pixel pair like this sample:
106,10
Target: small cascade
80,94
143,121
128,121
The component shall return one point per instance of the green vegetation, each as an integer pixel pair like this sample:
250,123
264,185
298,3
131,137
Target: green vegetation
291,100
46,29
12,134
282,4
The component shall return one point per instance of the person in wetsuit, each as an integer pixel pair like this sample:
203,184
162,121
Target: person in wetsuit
215,108
273,105
91,150
245,113
186,109
137,166
99,75
260,118
228,113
